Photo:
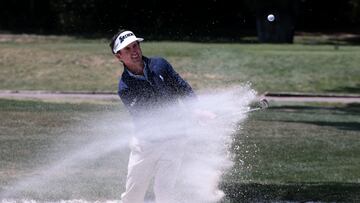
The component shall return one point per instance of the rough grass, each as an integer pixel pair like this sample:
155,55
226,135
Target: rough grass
75,64
290,152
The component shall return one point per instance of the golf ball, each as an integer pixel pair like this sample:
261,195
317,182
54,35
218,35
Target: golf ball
271,17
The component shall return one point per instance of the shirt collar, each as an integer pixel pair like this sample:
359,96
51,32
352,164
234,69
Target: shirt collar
142,77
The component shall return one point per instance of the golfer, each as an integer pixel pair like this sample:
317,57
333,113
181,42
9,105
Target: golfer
148,85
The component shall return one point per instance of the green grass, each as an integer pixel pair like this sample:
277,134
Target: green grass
297,152
291,151
36,135
75,64
309,141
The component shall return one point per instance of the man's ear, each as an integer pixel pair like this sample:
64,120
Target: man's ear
118,56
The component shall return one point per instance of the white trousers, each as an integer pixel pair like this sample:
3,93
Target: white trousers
160,161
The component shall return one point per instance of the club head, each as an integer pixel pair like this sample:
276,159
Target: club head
260,105
263,104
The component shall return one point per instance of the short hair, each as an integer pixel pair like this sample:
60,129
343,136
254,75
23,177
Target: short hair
113,39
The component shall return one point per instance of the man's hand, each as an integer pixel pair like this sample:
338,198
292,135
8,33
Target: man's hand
204,116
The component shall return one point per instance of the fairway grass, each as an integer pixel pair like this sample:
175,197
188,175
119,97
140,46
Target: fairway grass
88,65
289,152
38,141
298,152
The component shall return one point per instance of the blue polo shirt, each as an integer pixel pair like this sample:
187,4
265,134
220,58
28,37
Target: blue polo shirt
160,85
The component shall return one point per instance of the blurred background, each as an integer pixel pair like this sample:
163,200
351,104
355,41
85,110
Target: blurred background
203,20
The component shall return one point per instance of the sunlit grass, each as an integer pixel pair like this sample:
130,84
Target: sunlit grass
77,64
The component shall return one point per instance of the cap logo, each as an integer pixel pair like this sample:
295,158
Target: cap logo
122,38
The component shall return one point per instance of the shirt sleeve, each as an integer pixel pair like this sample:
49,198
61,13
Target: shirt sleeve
128,99
179,84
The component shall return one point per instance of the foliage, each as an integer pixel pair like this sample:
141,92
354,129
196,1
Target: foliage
157,19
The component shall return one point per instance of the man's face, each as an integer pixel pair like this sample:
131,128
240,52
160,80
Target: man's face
131,55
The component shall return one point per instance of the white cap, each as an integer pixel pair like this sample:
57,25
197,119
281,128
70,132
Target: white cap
124,39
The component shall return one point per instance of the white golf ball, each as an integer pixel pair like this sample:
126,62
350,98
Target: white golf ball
271,17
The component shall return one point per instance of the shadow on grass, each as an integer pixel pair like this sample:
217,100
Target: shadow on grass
349,109
294,192
352,108
339,125
353,89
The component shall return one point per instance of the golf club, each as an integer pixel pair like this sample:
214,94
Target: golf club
261,105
